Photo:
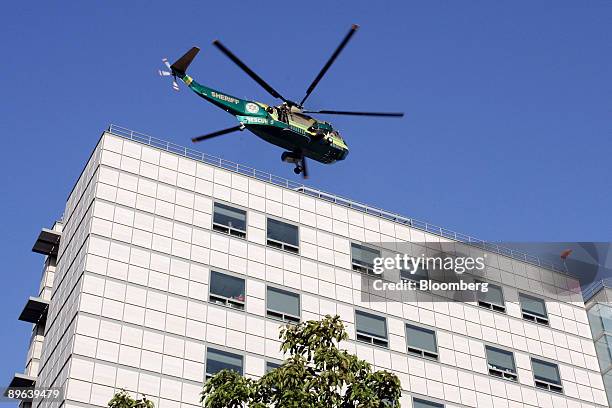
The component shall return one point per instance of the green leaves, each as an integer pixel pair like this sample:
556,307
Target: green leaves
227,389
122,399
316,375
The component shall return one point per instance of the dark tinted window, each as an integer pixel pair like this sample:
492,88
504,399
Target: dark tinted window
271,365
414,274
370,328
502,359
501,363
226,289
229,220
362,257
283,304
545,371
533,305
421,403
421,338
280,233
492,299
493,294
217,360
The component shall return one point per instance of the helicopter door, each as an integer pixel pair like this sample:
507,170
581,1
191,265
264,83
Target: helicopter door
283,113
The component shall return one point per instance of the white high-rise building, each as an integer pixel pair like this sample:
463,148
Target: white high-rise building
170,264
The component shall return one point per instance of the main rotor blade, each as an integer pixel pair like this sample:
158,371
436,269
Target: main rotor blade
217,133
250,72
329,62
382,114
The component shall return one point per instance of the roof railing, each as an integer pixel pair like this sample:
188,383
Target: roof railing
595,287
336,199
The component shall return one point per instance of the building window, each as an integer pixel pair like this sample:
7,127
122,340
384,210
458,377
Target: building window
533,309
283,305
417,274
421,342
501,363
271,365
283,236
363,258
421,403
371,329
546,375
226,290
229,220
217,360
492,299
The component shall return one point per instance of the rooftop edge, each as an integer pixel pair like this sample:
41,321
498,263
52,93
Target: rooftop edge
334,198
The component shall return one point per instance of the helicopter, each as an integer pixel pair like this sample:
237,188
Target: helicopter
287,125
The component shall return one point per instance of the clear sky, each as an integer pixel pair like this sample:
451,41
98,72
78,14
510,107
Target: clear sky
507,134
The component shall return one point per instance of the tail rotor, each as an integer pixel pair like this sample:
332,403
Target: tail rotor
164,73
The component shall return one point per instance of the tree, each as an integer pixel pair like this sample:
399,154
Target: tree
122,399
317,374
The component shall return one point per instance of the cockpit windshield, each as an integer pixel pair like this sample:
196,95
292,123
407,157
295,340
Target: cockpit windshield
301,119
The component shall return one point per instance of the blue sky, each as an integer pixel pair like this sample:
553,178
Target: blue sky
507,134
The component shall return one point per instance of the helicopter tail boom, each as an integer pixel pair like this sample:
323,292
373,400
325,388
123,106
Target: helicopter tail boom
179,67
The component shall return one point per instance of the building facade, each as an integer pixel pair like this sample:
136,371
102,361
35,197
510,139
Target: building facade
36,307
599,307
173,264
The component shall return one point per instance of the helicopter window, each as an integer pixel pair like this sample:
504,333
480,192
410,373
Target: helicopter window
229,220
301,119
282,235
